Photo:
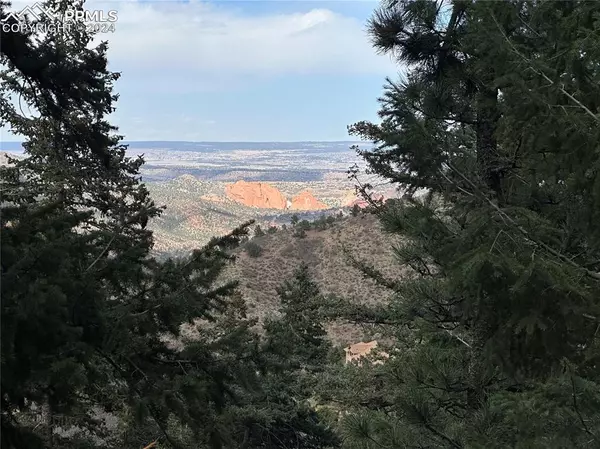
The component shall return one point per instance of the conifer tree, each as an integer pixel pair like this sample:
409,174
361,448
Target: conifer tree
91,322
294,351
298,334
497,327
258,232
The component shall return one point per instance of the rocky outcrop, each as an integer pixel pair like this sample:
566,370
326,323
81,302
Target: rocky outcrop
362,203
358,202
306,201
357,351
263,195
256,194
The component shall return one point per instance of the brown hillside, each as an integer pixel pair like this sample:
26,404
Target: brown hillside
323,251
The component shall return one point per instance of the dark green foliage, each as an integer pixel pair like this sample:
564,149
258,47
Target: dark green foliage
355,210
253,249
258,232
301,227
91,322
294,219
320,224
304,224
300,233
299,333
296,349
498,120
271,229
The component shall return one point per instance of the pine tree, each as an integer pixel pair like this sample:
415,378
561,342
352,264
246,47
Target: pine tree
258,232
294,351
91,322
497,120
298,334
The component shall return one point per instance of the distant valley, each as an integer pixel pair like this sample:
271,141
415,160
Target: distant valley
209,188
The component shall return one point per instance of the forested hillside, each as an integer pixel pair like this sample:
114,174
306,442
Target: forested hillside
484,293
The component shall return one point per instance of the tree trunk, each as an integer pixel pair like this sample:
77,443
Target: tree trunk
487,147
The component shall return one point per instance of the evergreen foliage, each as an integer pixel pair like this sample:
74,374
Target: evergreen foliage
299,334
303,224
258,232
300,233
320,224
297,348
92,324
493,134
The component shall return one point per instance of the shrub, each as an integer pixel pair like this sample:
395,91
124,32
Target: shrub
300,233
321,223
253,249
304,224
258,231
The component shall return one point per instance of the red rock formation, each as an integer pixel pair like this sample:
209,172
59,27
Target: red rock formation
306,201
358,202
362,203
256,194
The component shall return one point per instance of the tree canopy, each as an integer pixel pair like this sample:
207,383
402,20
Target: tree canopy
496,126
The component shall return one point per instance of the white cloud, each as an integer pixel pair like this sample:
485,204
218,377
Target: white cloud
185,49
199,39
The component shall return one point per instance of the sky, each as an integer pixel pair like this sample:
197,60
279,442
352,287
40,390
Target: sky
248,70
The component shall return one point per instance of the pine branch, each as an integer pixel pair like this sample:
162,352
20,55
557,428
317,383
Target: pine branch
576,407
370,271
154,415
541,73
102,253
523,231
443,436
457,337
362,189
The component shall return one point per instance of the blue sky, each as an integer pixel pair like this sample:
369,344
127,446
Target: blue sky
243,70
